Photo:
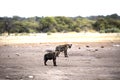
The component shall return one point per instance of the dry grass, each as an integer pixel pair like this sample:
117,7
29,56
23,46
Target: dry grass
60,37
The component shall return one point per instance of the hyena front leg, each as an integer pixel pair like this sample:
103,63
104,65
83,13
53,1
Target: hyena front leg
65,53
45,61
57,53
54,62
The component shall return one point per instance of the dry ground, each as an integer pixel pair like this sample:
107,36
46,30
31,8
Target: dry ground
21,57
25,62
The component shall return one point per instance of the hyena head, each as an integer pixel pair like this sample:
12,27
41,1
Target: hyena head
69,45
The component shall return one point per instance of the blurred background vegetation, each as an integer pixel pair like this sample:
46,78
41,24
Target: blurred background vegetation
102,24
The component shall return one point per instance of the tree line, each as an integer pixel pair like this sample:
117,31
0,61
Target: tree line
102,24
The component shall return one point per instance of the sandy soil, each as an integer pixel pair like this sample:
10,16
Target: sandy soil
25,62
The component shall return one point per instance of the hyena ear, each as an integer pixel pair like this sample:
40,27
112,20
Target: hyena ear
69,45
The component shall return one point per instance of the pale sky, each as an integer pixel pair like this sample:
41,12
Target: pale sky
71,8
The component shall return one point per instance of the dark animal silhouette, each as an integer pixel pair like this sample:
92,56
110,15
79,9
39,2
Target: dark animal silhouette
63,48
50,56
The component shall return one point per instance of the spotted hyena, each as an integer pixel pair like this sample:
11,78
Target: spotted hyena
63,48
50,56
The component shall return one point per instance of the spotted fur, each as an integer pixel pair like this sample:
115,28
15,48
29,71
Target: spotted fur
63,48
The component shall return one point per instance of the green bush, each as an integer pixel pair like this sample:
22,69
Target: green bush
48,33
77,29
113,30
102,31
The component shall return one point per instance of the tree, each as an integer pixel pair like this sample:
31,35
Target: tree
47,24
100,24
5,25
16,24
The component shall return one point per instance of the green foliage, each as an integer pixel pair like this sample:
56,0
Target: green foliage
107,24
77,29
1,27
47,24
112,30
102,24
48,33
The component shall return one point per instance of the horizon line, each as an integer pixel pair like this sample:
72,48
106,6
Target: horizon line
61,15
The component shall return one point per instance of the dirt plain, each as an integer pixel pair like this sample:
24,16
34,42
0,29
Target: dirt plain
21,57
25,62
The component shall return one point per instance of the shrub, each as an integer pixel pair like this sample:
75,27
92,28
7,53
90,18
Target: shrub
48,33
112,30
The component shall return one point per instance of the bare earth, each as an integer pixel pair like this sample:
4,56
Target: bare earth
25,62
21,57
